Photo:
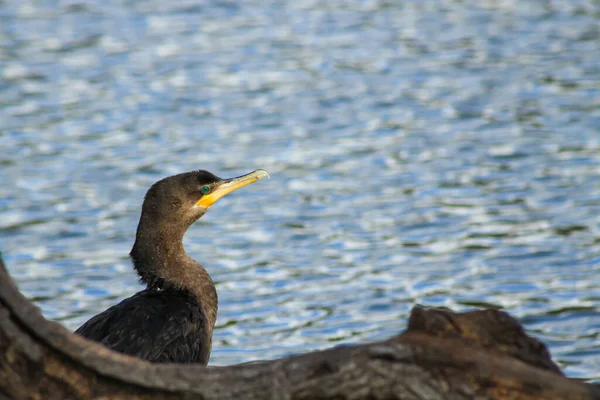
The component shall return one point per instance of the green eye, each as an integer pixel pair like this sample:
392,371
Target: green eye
205,189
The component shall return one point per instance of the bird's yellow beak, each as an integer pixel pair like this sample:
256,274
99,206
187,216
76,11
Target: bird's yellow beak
226,186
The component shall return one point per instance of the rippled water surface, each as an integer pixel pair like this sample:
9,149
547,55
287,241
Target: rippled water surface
437,152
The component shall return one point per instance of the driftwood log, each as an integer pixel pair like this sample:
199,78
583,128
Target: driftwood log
442,355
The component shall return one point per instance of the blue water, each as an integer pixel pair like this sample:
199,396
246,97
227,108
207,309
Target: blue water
435,152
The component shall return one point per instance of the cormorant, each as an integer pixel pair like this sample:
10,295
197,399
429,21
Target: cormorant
171,320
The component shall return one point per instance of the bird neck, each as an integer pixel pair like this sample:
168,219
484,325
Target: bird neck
161,262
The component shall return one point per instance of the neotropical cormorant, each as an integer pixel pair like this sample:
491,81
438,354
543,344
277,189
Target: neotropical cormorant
171,320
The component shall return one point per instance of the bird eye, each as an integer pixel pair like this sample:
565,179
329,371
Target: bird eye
205,189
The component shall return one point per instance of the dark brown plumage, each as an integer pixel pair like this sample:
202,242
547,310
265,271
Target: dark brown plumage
173,318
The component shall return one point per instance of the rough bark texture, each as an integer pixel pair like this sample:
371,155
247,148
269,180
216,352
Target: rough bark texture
443,355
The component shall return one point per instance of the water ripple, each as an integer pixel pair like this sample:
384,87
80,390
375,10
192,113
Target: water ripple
434,152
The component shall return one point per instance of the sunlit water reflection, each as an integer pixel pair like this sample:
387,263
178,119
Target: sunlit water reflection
432,152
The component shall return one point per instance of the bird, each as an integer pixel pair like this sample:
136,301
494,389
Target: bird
172,319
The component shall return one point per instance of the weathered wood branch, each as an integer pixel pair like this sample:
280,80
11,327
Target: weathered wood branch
443,355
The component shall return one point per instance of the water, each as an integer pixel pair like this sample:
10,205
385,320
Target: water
435,152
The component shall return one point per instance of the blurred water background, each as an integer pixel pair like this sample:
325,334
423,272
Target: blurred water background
444,152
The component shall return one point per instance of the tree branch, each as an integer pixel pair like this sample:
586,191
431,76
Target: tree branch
443,355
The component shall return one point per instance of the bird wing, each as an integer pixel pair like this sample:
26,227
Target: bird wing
158,326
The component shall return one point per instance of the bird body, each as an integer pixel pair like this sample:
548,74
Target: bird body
156,325
172,320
